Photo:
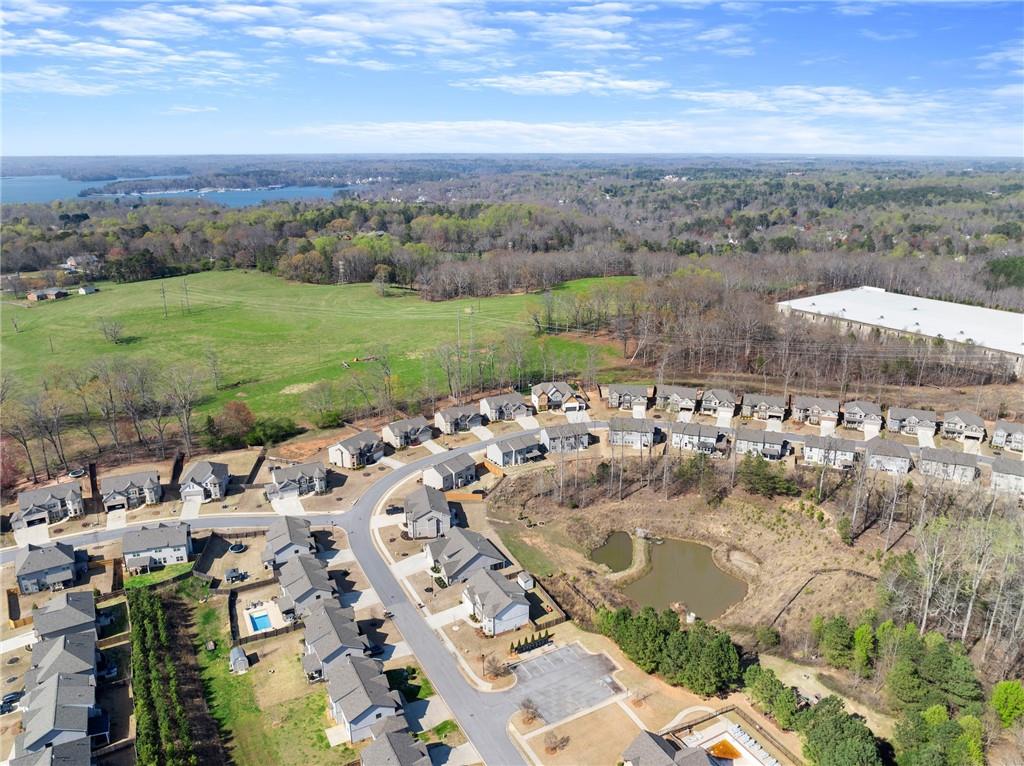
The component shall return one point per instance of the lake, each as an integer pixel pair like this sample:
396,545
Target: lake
14,189
680,571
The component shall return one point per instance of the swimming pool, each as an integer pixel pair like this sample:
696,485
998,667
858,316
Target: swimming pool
260,621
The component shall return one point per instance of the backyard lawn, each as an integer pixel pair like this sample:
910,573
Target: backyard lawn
273,338
169,572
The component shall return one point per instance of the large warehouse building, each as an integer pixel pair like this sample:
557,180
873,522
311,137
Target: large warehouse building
999,334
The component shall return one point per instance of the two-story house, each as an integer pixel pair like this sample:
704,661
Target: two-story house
681,399
638,433
768,444
463,551
205,481
452,420
948,465
122,493
51,566
152,547
862,415
625,396
407,432
287,536
451,473
696,437
557,395
305,584
331,633
1007,435
498,604
48,505
815,410
297,480
830,451
1008,476
765,407
718,400
359,697
567,437
886,455
906,420
363,449
514,450
963,426
505,407
427,514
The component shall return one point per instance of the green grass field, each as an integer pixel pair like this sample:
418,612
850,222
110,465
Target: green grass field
169,572
272,337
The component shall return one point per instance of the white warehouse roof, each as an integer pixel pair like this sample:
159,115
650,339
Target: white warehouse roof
989,328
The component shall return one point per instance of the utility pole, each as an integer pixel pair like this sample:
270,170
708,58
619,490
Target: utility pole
163,295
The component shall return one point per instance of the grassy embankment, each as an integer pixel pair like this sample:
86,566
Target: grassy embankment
169,572
273,338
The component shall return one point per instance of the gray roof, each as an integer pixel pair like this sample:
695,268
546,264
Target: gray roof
753,400
567,429
302,574
74,653
330,627
833,443
32,497
203,470
801,402
356,684
720,394
903,413
123,483
38,558
548,386
395,748
519,443
312,470
455,413
633,389
286,531
699,430
502,399
171,535
66,612
423,501
494,592
653,750
455,464
416,423
640,425
968,418
866,407
1003,425
948,457
757,436
1008,465
457,549
887,448
359,441
77,752
61,704
680,392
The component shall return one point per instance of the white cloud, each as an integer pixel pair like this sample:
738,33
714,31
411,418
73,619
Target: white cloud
57,80
187,109
725,40
582,28
817,101
29,12
563,83
151,21
888,37
337,59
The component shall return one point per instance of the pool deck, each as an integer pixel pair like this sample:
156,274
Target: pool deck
273,613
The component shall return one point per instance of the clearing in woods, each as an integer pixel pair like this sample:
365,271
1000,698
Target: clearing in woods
272,338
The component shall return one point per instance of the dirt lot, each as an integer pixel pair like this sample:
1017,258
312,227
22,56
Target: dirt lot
461,439
597,738
398,547
473,645
437,599
775,546
275,669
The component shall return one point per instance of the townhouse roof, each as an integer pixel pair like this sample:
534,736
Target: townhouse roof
719,395
43,495
637,425
565,430
680,392
355,684
38,558
455,464
1008,466
699,430
205,470
140,479
948,457
170,535
416,423
757,436
73,653
833,443
460,546
633,389
59,704
423,501
67,611
395,747
494,592
519,444
77,752
887,448
770,400
1009,427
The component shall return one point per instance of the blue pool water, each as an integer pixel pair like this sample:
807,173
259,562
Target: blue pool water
260,622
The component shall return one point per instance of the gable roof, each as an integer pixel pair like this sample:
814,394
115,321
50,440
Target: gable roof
494,592
680,392
304,573
312,470
355,684
284,532
416,423
948,457
632,389
456,550
423,501
204,470
866,407
903,413
801,402
395,748
171,535
74,653
757,436
457,412
77,752
887,448
552,385
38,558
455,464
518,443
566,430
59,704
123,483
967,418
493,402
1009,427
359,441
753,400
649,749
32,497
1008,466
638,425
833,443
699,430
330,627
722,395
68,611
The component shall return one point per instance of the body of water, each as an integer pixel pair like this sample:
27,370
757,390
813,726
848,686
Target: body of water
44,189
680,572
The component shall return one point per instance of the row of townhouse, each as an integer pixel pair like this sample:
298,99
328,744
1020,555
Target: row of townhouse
62,721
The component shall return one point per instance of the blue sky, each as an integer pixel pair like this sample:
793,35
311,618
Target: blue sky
836,77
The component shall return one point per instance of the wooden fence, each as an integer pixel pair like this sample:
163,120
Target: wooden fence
759,732
289,628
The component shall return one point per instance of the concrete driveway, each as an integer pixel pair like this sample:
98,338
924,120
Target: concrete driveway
775,426
426,714
565,681
434,447
119,519
723,419
828,427
410,565
925,439
36,535
189,509
528,422
871,430
439,619
483,433
684,416
391,462
972,447
582,416
287,506
359,599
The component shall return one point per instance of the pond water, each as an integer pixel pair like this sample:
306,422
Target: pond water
616,553
680,571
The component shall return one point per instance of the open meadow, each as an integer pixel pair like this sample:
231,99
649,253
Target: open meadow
273,339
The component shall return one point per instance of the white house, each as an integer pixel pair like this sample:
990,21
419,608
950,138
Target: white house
717,400
858,414
695,437
406,432
946,464
515,450
765,407
677,399
156,546
52,566
626,396
886,455
768,444
427,514
452,420
1008,435
205,481
815,409
363,449
568,437
359,697
459,554
452,473
1008,476
505,407
498,603
638,433
830,451
287,536
963,426
906,420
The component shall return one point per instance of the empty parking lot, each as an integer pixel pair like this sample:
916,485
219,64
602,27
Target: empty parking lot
565,682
